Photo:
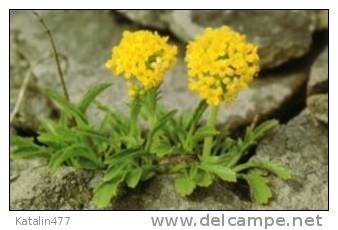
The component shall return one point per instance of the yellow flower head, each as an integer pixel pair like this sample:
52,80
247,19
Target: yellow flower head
220,63
142,57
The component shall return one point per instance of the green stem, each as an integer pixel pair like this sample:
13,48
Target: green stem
134,113
211,123
242,167
150,106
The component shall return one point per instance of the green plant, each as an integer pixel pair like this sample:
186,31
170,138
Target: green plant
171,142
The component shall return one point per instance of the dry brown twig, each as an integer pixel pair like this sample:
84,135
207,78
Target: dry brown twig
20,95
56,55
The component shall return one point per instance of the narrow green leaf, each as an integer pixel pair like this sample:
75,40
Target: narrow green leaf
105,192
184,185
261,130
29,153
158,127
90,96
203,178
204,132
276,168
67,106
253,135
51,140
61,156
125,154
209,160
134,177
199,111
162,122
259,187
221,171
91,133
49,125
273,167
161,147
25,148
116,171
19,141
147,173
82,163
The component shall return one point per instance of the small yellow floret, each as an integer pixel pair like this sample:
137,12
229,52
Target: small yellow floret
220,63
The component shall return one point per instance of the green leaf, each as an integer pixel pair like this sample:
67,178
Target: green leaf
203,178
106,191
197,114
90,96
184,185
162,122
204,132
276,168
148,172
63,155
25,148
251,137
161,147
91,133
273,167
49,126
261,130
67,107
134,177
125,154
116,171
221,171
259,187
158,127
82,163
49,139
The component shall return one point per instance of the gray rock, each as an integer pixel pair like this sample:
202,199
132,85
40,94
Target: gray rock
318,105
34,105
34,188
280,35
319,76
159,194
302,146
156,18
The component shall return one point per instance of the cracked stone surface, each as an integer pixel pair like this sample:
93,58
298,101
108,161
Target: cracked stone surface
301,145
319,76
318,105
317,88
32,187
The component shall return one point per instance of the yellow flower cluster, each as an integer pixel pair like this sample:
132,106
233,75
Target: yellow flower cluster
220,63
142,57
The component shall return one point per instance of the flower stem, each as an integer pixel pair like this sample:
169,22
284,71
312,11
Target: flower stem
211,123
